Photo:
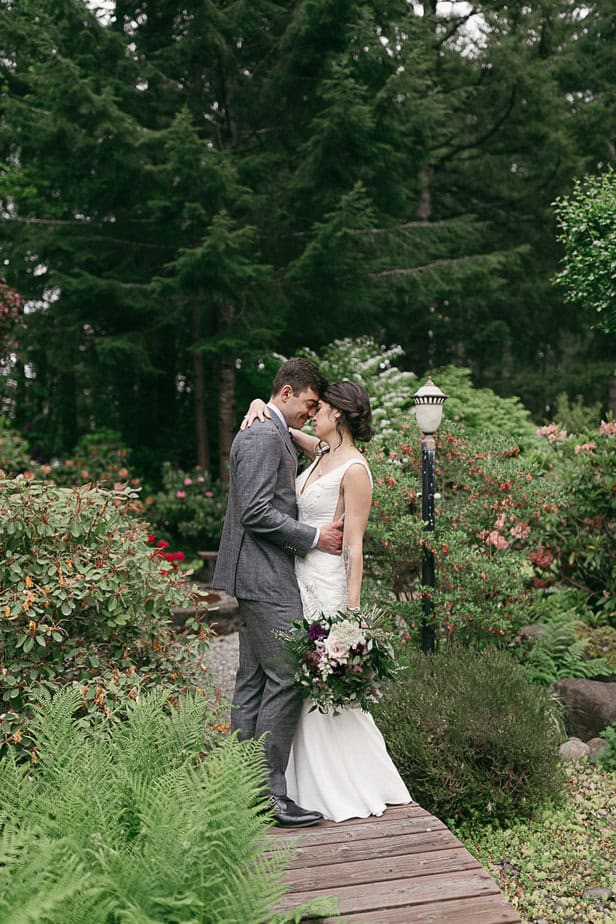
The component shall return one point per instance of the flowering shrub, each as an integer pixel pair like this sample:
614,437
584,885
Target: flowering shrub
98,458
577,546
487,519
82,601
342,659
190,509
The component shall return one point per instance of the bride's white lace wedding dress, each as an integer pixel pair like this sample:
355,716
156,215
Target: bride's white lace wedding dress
339,764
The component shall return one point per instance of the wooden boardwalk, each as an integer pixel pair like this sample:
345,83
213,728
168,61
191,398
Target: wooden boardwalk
405,867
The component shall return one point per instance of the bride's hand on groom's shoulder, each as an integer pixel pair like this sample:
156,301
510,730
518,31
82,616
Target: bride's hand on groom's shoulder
257,410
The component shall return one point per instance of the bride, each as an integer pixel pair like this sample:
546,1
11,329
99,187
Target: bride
339,763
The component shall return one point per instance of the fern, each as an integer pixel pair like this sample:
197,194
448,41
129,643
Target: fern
559,653
134,824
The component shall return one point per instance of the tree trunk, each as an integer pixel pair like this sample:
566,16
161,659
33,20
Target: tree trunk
226,401
201,429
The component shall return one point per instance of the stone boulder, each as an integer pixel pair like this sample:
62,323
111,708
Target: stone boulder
590,705
574,750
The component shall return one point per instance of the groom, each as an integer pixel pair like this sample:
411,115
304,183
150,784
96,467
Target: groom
260,538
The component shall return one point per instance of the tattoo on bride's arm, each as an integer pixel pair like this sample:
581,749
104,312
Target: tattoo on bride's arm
346,557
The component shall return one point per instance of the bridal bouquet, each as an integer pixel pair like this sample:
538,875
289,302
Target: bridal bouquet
342,659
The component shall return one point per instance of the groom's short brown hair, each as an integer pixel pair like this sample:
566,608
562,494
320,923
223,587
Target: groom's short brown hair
300,374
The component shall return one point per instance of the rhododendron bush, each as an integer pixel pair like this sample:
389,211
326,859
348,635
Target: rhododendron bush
511,526
578,548
488,521
84,599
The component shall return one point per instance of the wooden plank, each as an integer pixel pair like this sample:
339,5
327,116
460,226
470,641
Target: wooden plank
392,894
381,870
489,909
373,848
352,830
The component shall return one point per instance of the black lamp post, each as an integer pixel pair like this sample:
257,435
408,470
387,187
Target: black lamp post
429,400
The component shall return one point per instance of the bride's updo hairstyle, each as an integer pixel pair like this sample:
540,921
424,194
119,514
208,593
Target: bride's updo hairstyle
353,403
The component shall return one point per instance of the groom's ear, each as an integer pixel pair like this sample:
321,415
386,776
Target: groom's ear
286,392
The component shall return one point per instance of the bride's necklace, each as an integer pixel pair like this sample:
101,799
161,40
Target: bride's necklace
323,449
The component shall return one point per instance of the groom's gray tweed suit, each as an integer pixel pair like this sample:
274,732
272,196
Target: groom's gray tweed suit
260,539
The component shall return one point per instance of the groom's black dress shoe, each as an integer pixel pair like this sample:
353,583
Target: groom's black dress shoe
289,815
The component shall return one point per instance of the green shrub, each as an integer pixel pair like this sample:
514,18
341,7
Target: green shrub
575,416
83,600
14,452
578,533
607,754
472,736
487,521
190,509
146,821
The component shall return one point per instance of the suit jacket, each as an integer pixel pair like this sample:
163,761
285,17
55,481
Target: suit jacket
261,534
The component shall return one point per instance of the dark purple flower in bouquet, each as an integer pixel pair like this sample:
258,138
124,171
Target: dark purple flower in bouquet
315,632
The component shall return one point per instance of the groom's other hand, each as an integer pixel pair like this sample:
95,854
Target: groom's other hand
330,538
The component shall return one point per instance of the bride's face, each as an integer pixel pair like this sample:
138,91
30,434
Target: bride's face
325,420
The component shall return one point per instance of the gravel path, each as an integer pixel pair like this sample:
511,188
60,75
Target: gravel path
222,659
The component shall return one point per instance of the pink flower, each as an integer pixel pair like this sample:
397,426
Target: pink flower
608,428
520,531
188,481
209,494
180,494
584,447
200,479
497,540
542,558
552,433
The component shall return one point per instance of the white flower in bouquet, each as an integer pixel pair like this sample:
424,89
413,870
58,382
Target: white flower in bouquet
343,636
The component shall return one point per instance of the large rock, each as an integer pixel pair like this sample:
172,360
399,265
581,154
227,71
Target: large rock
574,750
590,705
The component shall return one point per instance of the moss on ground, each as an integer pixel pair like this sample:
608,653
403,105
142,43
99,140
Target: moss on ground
547,867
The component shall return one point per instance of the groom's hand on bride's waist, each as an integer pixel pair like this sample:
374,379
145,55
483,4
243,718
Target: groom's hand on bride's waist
330,538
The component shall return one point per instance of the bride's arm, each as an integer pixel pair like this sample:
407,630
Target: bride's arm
357,492
308,444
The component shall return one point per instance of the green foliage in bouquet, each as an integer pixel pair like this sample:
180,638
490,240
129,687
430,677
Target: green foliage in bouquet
156,819
82,601
190,509
342,659
578,534
472,736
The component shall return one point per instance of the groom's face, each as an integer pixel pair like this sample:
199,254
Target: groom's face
297,408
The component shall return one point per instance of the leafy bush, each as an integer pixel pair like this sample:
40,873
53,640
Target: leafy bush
575,416
140,822
487,520
472,736
607,754
481,411
82,600
190,509
14,453
578,534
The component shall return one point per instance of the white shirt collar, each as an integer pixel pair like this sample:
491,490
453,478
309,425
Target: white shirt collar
277,411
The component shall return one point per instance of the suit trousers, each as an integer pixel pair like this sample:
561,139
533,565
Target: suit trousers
267,700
